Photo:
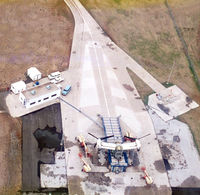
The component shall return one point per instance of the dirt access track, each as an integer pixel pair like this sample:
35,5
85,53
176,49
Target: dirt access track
33,33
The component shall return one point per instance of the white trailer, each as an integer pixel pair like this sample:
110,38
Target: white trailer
39,95
34,74
18,87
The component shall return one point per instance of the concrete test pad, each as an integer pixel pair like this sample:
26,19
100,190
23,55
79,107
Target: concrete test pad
170,103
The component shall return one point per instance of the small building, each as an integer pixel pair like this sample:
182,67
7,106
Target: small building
34,73
39,94
18,87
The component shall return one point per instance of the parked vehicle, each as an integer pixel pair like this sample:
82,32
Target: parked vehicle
54,75
66,90
57,80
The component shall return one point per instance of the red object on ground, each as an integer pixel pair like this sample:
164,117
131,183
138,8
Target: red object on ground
80,155
89,155
143,168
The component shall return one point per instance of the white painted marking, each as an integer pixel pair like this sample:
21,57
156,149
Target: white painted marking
117,92
115,87
110,73
89,96
98,65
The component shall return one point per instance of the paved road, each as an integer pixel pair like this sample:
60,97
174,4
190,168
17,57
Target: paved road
101,85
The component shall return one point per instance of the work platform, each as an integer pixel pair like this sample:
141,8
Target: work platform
111,127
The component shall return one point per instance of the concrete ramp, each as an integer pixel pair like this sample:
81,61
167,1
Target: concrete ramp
170,103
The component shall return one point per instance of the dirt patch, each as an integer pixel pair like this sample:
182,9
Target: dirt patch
159,165
191,181
162,132
33,33
10,155
98,178
69,144
150,190
74,185
166,153
128,87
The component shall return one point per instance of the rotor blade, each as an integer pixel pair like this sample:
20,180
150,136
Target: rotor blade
95,145
88,143
144,136
93,135
131,138
107,137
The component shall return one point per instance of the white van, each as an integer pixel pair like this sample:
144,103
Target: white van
54,75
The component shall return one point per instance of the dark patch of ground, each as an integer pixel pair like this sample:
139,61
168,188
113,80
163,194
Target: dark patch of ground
191,181
162,131
148,190
2,100
74,185
167,165
98,178
159,165
134,158
110,45
164,108
48,138
68,144
166,153
128,87
176,138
